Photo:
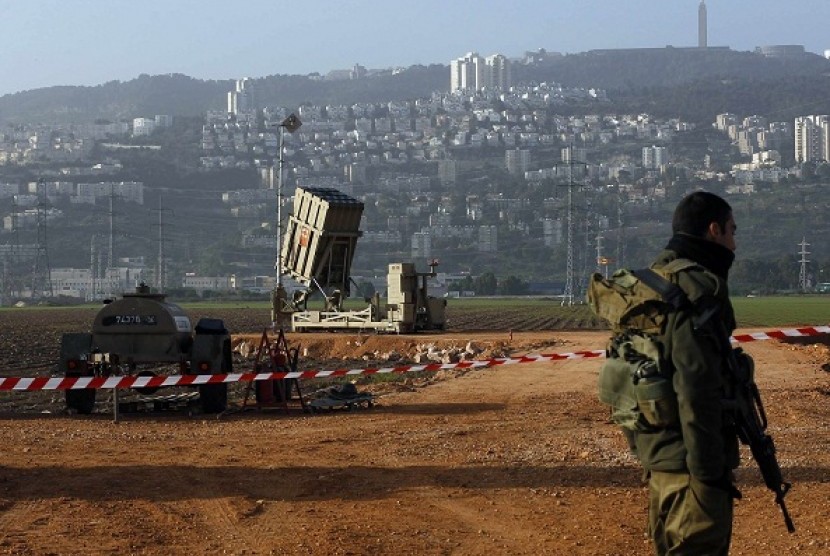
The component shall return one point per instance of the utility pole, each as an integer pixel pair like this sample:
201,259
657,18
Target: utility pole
585,257
568,294
803,279
620,262
93,271
162,277
15,286
111,254
279,297
4,288
42,271
602,261
103,276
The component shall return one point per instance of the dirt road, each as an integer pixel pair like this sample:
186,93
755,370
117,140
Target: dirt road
508,460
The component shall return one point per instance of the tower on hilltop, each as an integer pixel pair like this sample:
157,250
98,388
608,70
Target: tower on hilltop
701,25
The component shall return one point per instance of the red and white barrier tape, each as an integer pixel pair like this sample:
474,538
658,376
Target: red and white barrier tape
781,334
122,382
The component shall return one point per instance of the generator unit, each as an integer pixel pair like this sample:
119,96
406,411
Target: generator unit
143,334
318,250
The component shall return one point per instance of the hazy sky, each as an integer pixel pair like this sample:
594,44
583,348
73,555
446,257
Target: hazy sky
89,42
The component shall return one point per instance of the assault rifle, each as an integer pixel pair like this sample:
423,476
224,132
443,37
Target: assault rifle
751,422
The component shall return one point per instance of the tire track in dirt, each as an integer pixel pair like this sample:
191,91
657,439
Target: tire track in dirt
472,519
223,520
15,524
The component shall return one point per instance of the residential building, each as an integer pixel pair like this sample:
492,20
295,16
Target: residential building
497,72
466,72
812,138
552,231
421,245
723,121
207,283
654,158
474,73
447,171
240,100
143,126
517,161
488,239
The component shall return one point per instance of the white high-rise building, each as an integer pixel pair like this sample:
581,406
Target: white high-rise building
498,71
474,73
723,121
143,126
654,157
812,138
467,72
240,100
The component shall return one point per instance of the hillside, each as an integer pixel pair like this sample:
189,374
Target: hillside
654,79
181,95
636,69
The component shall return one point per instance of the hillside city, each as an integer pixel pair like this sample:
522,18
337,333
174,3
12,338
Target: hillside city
489,176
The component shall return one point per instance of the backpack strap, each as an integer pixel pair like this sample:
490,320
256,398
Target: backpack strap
669,291
676,265
674,294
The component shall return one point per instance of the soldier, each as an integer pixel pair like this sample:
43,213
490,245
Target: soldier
690,466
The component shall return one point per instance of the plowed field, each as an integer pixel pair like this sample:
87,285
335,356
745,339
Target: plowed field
515,459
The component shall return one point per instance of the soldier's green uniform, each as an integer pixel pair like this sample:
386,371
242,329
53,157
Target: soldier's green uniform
690,465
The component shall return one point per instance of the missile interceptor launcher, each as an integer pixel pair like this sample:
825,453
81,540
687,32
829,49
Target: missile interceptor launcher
317,251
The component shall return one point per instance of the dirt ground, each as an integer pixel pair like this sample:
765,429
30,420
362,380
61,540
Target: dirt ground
515,459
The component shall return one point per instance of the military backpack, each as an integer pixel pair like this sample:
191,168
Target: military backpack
636,378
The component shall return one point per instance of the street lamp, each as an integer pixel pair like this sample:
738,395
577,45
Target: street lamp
278,297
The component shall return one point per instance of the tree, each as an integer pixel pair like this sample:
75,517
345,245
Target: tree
465,284
513,285
486,284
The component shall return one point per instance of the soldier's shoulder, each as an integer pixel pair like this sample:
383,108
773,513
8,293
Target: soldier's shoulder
699,282
693,278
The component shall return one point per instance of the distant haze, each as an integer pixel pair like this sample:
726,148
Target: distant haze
89,42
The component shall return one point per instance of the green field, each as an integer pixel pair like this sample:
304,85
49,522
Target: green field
524,313
751,312
782,310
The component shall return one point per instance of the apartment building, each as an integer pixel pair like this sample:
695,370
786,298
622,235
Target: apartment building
517,161
812,138
472,72
655,157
